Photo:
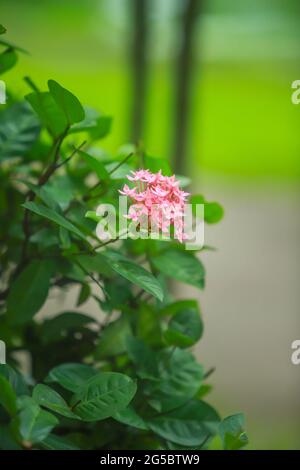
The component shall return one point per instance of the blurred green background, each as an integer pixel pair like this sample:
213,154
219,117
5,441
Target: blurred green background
242,147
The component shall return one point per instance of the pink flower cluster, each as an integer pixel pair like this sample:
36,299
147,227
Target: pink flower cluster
158,200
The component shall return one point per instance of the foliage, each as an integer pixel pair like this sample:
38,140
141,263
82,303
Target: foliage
126,379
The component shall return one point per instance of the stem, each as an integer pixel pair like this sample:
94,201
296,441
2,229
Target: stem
88,196
31,195
76,149
90,275
31,84
209,372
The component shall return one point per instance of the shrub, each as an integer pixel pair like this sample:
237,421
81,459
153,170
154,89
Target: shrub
126,379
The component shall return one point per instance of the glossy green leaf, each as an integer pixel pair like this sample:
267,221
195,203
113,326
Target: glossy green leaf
50,114
176,307
180,377
71,376
104,395
213,211
54,216
232,432
29,291
130,417
67,102
16,379
189,425
95,165
7,396
180,265
49,398
185,328
35,423
2,29
139,276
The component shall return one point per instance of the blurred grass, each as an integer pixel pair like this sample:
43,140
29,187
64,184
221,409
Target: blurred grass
242,126
242,123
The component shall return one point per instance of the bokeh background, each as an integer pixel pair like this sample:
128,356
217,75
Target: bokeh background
206,84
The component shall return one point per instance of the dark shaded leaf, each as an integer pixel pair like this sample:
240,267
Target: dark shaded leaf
19,129
29,291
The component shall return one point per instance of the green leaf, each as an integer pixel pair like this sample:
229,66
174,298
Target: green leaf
104,395
48,398
2,29
19,129
71,376
92,215
68,103
232,432
175,307
143,357
10,45
35,423
7,441
64,237
185,328
180,377
44,194
180,265
130,417
97,125
50,114
7,396
155,164
15,379
54,216
8,59
148,326
84,294
95,165
112,341
53,442
56,328
138,276
189,425
213,211
96,263
29,291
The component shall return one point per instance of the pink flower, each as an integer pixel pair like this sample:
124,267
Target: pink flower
157,198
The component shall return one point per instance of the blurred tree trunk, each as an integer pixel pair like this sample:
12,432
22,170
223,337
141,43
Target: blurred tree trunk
139,67
183,76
